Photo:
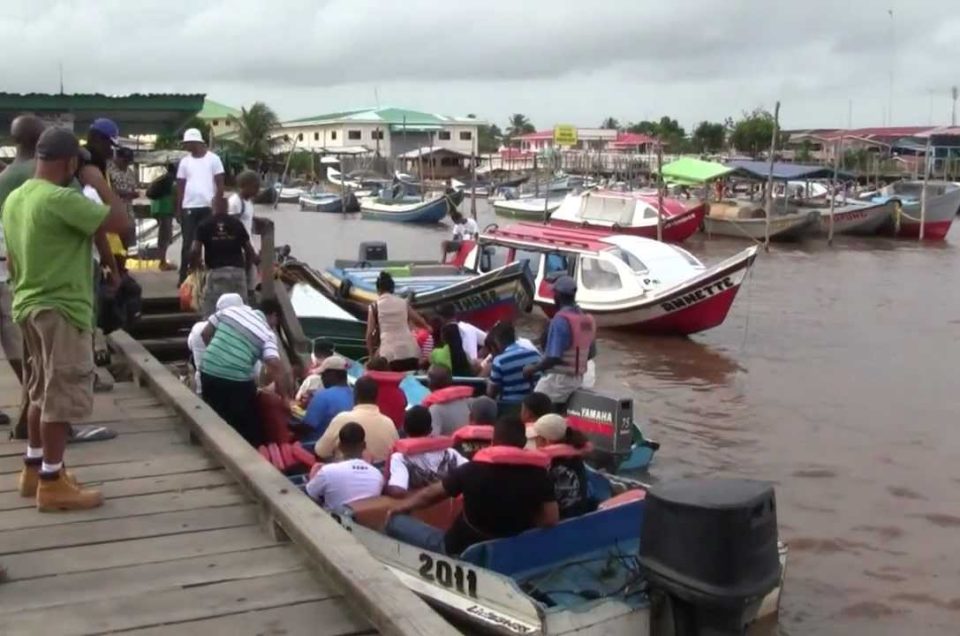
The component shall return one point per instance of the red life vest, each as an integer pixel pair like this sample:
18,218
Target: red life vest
417,445
563,451
583,331
274,414
391,400
448,394
512,456
473,433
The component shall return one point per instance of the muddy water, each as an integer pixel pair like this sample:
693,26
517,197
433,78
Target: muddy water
835,376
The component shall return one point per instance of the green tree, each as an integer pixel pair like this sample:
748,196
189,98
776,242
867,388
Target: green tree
173,139
518,124
489,138
803,154
643,128
253,131
708,136
752,132
610,123
667,130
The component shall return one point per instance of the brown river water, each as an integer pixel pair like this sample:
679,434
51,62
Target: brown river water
832,377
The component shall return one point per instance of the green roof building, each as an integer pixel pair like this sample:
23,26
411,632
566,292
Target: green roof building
218,117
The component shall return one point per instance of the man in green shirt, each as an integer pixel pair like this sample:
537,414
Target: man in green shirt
49,231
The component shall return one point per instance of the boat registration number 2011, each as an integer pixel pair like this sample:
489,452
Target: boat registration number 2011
449,575
697,295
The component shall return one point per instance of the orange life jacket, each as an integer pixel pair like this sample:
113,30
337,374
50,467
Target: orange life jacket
563,451
410,446
473,433
512,456
583,331
448,394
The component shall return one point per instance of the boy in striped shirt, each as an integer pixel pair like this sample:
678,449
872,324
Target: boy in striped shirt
237,338
507,382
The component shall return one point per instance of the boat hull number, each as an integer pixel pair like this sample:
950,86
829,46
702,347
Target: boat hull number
449,575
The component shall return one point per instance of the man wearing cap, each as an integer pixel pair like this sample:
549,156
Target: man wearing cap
199,191
49,229
569,345
335,398
567,470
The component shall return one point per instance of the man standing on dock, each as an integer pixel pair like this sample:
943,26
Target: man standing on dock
199,191
49,228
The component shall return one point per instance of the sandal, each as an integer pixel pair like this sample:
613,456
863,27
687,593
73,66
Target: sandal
90,433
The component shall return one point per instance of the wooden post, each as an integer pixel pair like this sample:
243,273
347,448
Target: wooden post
267,258
433,165
923,192
768,204
536,179
473,176
546,203
660,186
420,170
833,186
283,177
343,188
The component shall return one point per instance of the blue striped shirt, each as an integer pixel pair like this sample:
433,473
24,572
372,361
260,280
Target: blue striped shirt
507,372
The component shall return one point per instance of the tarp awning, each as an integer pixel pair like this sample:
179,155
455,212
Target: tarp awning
783,171
693,171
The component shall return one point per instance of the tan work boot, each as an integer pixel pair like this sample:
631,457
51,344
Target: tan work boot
30,476
63,493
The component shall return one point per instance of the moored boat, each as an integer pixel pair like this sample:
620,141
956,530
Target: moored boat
942,205
742,220
320,317
328,202
404,208
628,213
623,281
530,208
854,217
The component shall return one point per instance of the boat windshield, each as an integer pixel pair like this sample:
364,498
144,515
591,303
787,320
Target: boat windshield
687,256
631,260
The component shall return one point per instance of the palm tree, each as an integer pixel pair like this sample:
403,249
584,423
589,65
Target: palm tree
253,131
518,124
610,123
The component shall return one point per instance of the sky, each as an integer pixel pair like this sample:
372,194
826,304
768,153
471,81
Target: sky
829,63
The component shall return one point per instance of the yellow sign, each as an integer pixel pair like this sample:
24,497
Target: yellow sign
565,135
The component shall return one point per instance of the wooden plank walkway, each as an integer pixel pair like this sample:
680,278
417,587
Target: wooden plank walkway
179,547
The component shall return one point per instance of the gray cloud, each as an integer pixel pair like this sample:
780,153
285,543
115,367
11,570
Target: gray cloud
572,61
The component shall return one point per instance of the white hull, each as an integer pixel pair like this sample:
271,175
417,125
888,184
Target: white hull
854,217
786,226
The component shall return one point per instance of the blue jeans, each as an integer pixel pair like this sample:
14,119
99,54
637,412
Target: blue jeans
415,532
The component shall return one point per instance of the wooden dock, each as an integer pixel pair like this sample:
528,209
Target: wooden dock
198,535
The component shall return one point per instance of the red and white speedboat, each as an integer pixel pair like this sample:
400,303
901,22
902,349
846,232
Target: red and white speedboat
631,213
623,281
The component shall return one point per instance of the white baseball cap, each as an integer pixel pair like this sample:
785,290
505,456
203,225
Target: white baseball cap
333,363
192,134
551,427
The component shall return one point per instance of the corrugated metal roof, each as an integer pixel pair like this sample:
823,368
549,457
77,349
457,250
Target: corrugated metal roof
216,110
386,115
98,101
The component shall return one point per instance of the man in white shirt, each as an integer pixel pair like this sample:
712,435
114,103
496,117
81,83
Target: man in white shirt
464,229
412,471
240,205
340,483
471,337
199,189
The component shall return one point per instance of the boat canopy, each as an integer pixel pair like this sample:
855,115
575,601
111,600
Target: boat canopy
783,171
688,170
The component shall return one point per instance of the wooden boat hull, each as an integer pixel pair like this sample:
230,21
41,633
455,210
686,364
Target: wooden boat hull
525,209
941,210
431,211
858,220
695,305
482,300
676,229
328,203
787,227
322,318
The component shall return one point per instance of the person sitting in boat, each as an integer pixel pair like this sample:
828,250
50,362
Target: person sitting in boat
507,381
483,411
334,398
464,229
506,490
451,355
388,327
569,345
566,446
471,337
322,349
380,431
419,459
352,478
449,405
535,406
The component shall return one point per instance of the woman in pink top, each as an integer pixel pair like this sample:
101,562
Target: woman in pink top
388,327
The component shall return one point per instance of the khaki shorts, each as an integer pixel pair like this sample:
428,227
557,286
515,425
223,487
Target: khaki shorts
220,281
10,337
59,372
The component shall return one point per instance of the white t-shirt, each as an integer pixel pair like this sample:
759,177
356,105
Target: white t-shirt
91,193
472,339
466,230
429,463
243,210
342,482
199,173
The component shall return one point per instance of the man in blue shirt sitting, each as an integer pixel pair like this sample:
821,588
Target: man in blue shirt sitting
335,398
507,381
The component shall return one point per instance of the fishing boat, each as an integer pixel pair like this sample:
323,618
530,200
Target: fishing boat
320,317
850,216
531,208
692,556
328,202
747,220
942,205
479,298
404,208
622,280
629,213
289,194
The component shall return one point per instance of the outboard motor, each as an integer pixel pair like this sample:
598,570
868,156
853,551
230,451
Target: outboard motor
373,251
709,547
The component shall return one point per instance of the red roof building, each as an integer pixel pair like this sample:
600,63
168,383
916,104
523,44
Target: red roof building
589,138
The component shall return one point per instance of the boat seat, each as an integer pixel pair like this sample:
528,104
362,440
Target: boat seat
542,548
372,512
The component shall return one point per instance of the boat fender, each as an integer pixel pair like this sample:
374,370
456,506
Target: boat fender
304,456
512,456
275,457
448,394
286,454
564,451
473,433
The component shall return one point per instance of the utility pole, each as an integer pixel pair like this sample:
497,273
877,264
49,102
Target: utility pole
893,54
953,111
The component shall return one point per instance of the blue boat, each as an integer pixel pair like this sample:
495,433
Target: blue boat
327,202
403,208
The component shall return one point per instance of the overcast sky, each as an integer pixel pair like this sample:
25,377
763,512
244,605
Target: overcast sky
556,61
